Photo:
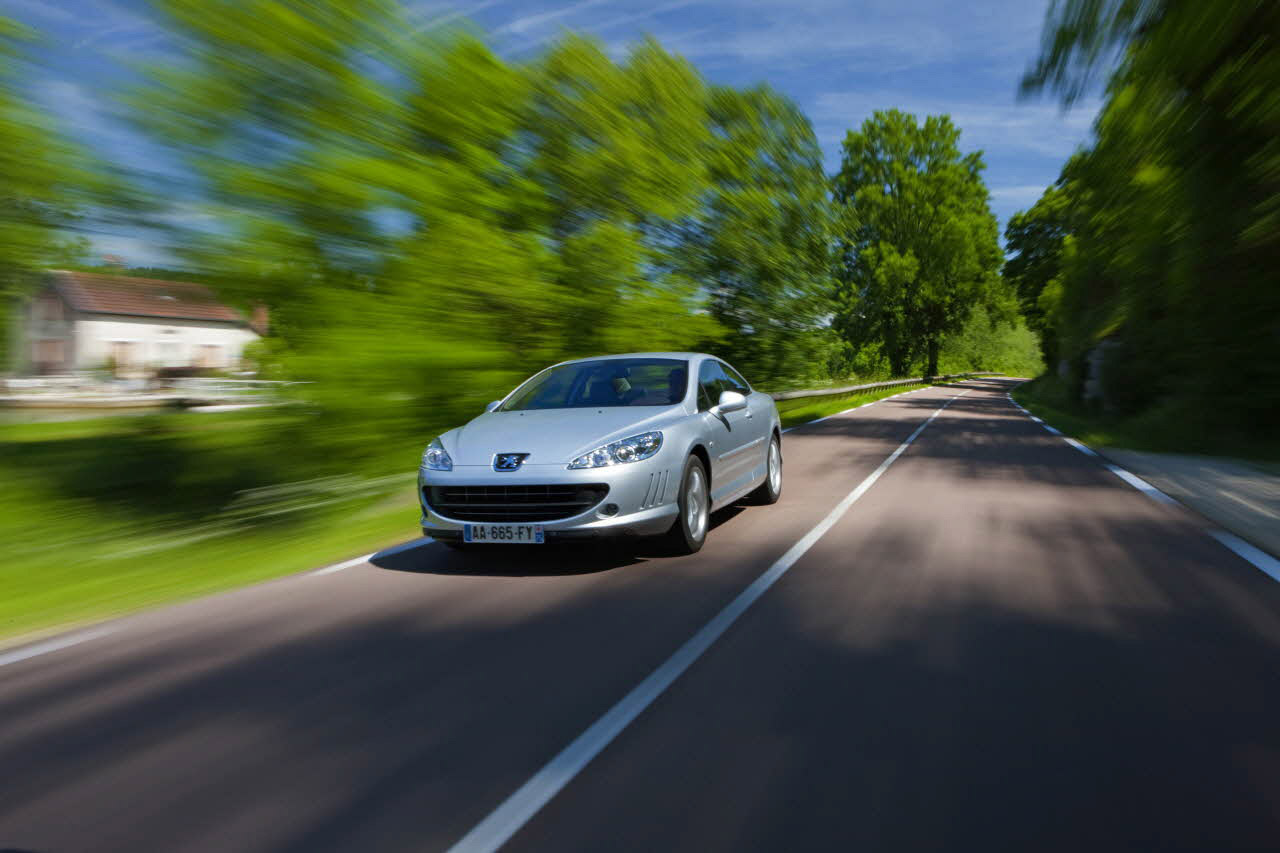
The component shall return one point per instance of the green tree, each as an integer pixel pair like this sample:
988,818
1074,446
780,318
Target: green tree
1175,210
617,155
762,243
920,246
1034,241
45,181
428,221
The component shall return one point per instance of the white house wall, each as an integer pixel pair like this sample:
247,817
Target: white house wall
157,342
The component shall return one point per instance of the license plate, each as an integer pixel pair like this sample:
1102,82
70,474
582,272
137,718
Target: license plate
503,534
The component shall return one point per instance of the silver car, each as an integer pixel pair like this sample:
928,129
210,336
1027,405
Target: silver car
620,445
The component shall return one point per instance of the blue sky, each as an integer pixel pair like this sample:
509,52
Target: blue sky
839,59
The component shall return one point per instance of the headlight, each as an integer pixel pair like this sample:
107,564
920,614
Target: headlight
436,458
631,449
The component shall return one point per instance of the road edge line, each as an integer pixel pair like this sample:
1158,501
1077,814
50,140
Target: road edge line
66,640
526,801
859,406
44,647
1255,556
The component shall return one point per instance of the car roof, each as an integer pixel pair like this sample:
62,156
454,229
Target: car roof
675,355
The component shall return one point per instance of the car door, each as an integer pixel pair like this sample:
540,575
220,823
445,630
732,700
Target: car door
730,434
759,421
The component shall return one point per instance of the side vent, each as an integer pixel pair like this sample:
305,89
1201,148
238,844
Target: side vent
656,493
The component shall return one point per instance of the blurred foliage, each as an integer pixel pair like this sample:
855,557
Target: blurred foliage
763,241
44,181
987,342
431,223
919,244
1164,236
1035,240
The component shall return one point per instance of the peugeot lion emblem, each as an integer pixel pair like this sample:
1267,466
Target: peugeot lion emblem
508,461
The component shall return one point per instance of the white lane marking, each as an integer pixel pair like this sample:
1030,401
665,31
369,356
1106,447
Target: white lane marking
854,409
386,552
1140,484
514,812
1258,557
43,648
829,417
1087,451
345,564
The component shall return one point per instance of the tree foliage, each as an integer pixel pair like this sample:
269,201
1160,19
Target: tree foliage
919,243
1174,213
762,242
1035,242
432,220
429,221
45,180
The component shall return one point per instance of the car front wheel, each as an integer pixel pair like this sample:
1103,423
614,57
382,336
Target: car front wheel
690,528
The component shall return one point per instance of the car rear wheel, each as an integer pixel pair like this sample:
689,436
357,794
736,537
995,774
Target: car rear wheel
690,528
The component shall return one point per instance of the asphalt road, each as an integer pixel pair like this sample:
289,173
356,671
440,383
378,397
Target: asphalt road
1000,646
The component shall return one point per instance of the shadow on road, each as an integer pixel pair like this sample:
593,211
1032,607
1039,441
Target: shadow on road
509,561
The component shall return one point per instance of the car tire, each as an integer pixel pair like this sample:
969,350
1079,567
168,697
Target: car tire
771,489
689,531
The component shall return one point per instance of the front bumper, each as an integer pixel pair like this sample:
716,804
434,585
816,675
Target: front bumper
643,492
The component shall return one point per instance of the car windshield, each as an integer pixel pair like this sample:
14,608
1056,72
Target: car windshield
608,382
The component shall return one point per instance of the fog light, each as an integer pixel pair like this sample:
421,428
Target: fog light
609,509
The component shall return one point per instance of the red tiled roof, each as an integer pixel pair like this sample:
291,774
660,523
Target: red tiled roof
94,293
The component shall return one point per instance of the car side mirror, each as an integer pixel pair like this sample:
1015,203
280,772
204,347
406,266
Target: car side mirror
730,401
495,404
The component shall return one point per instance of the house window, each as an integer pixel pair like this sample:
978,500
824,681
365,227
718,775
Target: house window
49,356
209,355
169,354
124,353
48,309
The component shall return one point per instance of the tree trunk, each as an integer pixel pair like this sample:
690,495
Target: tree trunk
932,368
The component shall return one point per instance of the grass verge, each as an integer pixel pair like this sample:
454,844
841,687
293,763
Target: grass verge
106,516
88,581
805,409
1162,430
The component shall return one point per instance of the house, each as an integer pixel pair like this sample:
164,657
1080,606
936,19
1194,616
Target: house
81,321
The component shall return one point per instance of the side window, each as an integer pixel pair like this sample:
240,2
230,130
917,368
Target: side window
735,380
709,382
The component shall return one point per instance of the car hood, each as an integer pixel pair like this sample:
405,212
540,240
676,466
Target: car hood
550,436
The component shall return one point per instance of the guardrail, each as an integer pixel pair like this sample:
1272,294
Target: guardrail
872,386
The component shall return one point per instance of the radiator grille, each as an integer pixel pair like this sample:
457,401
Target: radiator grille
514,503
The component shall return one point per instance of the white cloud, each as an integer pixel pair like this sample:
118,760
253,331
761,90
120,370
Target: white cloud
643,14
113,22
433,15
870,36
997,125
42,9
1019,197
522,26
136,251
